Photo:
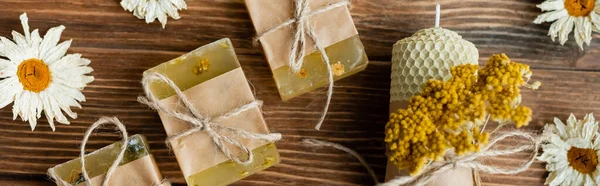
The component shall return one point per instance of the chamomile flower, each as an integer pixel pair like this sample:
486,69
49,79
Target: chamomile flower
566,14
153,9
36,75
572,152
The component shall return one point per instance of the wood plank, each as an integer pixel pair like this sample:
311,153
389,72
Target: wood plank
121,47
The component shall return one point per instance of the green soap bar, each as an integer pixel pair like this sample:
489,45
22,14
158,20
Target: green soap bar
229,171
98,162
347,57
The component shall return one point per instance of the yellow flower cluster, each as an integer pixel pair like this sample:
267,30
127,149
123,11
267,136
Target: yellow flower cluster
448,115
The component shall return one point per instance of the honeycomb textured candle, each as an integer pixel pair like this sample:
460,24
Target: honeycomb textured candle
427,54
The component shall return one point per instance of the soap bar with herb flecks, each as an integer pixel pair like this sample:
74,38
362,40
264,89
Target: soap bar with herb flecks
335,31
137,168
213,81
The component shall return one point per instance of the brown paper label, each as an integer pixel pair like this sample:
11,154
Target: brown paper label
460,176
330,27
214,97
140,172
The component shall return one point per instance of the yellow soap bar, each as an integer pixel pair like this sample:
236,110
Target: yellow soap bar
98,162
346,58
229,171
188,71
195,67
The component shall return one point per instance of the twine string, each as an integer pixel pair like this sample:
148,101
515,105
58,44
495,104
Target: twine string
302,13
88,133
203,123
319,143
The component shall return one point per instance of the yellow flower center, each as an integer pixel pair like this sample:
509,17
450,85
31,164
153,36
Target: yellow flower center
579,7
583,160
34,74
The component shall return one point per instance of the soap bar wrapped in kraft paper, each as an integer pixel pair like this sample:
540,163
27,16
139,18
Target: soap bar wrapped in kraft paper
289,30
131,158
215,126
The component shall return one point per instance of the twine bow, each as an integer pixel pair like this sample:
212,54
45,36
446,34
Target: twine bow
114,165
302,13
202,123
469,161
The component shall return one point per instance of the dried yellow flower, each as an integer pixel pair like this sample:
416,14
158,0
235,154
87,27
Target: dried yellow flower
202,66
448,115
302,73
338,69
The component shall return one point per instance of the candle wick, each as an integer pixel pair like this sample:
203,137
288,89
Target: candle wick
437,15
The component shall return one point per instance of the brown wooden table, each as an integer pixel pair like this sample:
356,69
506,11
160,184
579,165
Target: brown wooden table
121,47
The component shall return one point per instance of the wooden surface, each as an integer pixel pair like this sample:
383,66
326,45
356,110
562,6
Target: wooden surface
121,47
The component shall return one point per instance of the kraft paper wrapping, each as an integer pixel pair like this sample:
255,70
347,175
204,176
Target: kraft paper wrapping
457,177
142,172
330,27
214,97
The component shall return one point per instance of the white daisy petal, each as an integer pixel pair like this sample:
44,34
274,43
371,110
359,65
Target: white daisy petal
583,31
551,16
48,109
34,49
8,89
8,71
595,21
5,63
578,179
169,9
19,38
589,124
54,105
596,175
50,41
580,143
588,180
179,4
554,178
12,51
560,143
565,30
560,127
24,22
55,53
551,5
162,16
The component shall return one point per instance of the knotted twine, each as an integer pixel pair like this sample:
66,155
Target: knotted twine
302,13
468,161
103,120
204,123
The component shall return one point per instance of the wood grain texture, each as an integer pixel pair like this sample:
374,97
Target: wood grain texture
121,47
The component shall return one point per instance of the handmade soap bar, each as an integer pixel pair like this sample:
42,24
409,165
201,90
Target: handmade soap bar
213,81
346,57
137,167
334,29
